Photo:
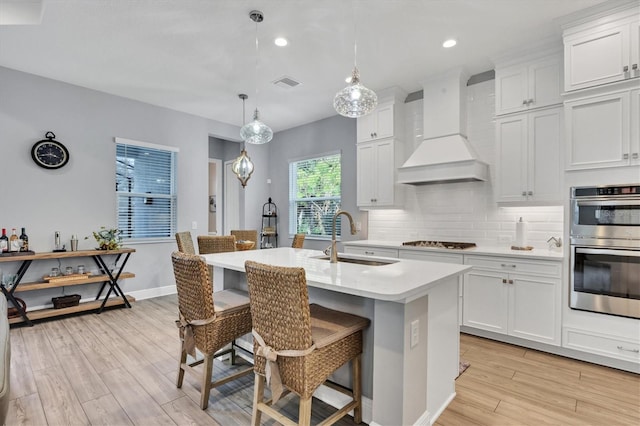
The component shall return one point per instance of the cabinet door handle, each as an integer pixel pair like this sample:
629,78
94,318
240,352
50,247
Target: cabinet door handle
369,253
622,348
506,265
625,68
634,155
524,193
524,102
634,66
504,281
510,281
530,193
530,101
625,156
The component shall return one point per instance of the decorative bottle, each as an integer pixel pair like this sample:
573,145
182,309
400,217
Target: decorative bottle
14,241
24,246
4,241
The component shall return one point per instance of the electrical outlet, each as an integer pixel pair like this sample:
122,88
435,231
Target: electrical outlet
415,333
194,225
358,226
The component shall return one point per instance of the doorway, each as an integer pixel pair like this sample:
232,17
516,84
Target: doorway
231,204
215,192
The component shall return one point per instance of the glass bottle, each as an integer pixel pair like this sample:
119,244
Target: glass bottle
24,239
14,241
4,241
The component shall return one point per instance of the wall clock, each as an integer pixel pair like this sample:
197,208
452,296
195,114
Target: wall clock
49,153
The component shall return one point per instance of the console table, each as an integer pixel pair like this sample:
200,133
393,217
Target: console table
107,277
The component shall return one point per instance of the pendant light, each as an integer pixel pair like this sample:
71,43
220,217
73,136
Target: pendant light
242,166
256,132
355,100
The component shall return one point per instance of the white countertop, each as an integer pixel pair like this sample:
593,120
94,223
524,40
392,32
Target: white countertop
400,281
480,250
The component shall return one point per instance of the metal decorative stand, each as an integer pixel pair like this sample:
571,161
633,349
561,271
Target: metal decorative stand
269,232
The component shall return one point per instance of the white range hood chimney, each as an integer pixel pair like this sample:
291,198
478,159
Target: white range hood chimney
445,154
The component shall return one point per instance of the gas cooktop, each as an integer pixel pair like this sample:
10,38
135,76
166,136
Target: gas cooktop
440,244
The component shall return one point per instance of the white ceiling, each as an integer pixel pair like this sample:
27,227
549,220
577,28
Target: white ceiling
196,56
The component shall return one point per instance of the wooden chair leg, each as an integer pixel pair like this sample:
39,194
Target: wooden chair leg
258,396
233,353
205,388
304,412
183,359
357,388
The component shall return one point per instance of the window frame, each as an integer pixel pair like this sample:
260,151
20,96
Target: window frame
173,196
293,225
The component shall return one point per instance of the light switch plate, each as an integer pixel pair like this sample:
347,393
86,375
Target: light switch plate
415,333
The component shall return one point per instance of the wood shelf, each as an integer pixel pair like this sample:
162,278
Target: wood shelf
60,283
82,307
65,254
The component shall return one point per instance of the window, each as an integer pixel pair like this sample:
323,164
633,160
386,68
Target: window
145,189
314,195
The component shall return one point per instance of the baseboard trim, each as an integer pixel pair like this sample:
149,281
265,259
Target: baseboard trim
149,293
434,418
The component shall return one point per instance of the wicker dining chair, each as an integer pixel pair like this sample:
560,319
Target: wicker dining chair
185,242
208,322
308,343
246,235
298,241
208,244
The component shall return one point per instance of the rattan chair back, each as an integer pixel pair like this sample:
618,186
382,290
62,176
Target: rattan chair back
279,305
185,242
246,235
298,241
208,244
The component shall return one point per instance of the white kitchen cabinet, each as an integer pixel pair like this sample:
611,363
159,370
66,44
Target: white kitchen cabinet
376,174
606,50
529,166
535,84
377,125
519,298
371,251
599,128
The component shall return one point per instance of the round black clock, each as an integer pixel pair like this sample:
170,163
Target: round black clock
49,153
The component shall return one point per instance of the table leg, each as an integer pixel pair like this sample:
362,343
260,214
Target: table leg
112,282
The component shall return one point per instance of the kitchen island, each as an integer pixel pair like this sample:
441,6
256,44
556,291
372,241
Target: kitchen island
411,349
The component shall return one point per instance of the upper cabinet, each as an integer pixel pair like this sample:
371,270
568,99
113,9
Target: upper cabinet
380,151
529,166
377,125
603,130
529,85
604,50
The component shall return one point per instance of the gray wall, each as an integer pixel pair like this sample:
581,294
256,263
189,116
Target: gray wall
335,133
80,197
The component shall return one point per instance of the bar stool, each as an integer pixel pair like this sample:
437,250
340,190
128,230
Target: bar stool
206,324
185,242
298,241
208,244
297,345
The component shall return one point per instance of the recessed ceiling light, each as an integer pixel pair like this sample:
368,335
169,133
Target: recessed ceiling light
449,43
281,41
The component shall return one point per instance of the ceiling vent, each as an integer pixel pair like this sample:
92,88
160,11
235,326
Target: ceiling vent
286,82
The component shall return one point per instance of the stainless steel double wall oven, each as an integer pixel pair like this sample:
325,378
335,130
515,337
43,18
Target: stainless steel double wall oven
605,249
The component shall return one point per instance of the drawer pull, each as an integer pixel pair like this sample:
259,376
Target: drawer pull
370,253
622,348
510,281
505,265
504,281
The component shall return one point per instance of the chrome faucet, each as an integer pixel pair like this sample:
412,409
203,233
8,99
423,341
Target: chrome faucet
333,255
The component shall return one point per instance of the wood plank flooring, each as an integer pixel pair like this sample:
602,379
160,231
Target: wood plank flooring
119,368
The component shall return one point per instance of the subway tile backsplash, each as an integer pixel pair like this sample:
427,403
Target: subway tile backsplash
462,211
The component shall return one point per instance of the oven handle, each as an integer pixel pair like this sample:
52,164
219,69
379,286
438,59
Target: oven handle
632,253
627,202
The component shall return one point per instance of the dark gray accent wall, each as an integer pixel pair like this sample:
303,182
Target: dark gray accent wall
331,134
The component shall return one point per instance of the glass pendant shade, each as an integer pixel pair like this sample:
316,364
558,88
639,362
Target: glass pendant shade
355,100
242,167
256,132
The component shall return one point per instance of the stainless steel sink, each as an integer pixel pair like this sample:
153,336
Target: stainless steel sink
367,262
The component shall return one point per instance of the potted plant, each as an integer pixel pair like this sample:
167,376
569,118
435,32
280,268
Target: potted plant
107,239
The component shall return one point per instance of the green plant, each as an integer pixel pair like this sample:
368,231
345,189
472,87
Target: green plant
107,239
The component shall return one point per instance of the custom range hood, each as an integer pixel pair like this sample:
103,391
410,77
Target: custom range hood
445,154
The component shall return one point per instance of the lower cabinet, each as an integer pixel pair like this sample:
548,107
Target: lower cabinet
602,344
501,296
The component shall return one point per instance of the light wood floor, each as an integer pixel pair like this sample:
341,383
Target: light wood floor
119,368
